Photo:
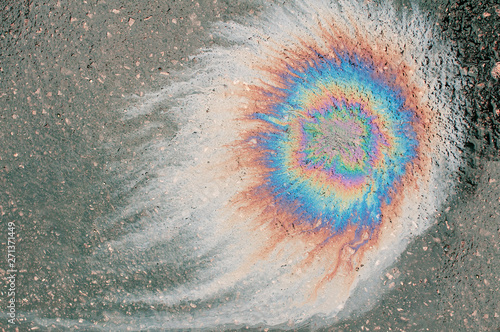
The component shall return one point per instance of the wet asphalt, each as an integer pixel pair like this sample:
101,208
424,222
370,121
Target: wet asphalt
66,67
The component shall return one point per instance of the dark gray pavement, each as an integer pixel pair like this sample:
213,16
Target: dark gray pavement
64,69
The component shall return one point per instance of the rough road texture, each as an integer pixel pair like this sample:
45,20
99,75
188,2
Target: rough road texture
64,67
451,277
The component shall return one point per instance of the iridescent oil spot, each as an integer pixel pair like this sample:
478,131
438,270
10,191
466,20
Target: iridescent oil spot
338,143
335,138
309,153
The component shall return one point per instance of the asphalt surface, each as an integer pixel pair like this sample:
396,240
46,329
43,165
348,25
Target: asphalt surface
65,67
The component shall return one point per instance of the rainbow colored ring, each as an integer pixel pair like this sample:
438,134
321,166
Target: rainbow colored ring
337,136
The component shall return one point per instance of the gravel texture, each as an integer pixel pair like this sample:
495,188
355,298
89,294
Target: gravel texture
66,66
